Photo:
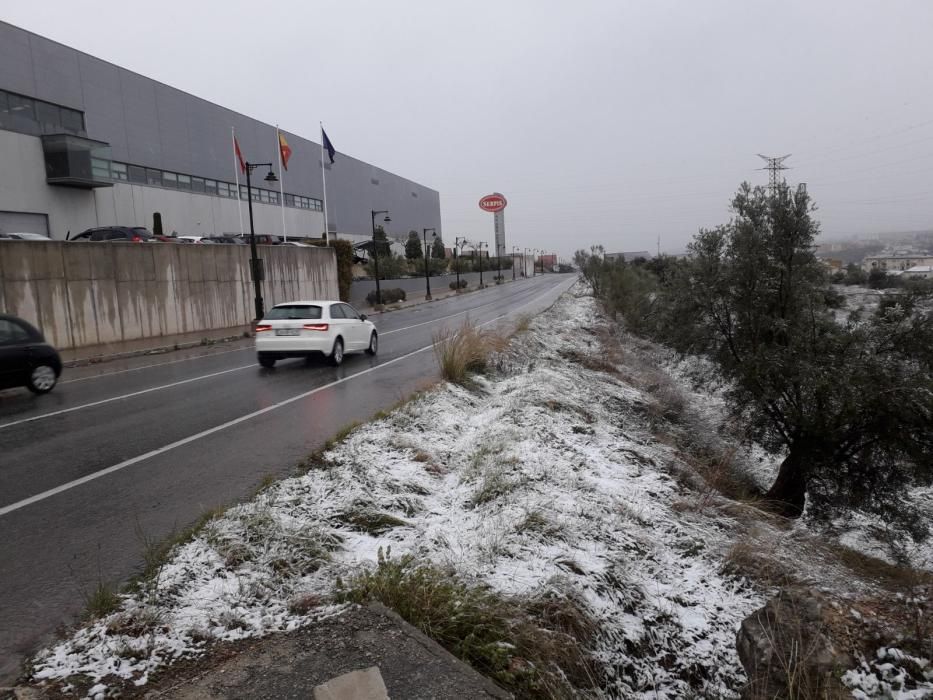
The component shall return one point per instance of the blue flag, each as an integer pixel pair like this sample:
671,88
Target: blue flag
328,146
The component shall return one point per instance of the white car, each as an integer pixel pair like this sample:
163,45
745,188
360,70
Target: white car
308,328
22,236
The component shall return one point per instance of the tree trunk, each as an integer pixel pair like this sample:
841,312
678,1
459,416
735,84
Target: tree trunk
788,492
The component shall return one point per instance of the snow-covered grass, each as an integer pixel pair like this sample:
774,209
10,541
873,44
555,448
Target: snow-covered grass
545,477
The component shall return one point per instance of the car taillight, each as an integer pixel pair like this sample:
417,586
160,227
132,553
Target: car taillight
261,327
137,238
315,326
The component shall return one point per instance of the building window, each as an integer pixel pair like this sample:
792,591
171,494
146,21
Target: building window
137,174
49,117
289,200
118,171
153,177
210,186
100,169
23,114
169,180
38,117
197,184
72,121
184,182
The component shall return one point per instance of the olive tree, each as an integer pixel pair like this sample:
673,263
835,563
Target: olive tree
850,404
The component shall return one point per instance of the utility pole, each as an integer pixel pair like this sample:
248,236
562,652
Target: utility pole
774,166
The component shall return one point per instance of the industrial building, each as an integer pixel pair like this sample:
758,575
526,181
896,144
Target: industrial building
86,143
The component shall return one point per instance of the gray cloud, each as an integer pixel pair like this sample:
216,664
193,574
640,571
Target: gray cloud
602,122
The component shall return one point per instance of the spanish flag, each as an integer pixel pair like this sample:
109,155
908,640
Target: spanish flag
285,150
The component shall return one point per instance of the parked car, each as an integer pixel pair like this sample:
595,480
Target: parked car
194,239
23,236
132,234
228,240
313,328
25,358
297,244
262,239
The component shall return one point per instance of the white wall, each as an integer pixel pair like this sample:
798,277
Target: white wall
23,189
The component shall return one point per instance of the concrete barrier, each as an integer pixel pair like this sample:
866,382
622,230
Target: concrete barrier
90,294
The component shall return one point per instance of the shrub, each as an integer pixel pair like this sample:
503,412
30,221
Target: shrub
389,296
458,285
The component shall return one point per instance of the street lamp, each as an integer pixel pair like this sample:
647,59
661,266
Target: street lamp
458,241
255,264
427,274
376,251
479,246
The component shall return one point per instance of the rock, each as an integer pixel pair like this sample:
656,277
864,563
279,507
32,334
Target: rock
365,684
787,650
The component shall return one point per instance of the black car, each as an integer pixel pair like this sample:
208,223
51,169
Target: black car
25,358
132,234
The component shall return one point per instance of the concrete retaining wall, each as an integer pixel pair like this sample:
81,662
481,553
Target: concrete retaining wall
86,294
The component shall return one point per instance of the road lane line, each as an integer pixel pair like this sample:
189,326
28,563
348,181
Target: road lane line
195,379
155,364
123,396
223,426
141,392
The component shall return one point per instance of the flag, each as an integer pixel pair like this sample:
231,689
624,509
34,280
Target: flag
328,146
285,150
239,155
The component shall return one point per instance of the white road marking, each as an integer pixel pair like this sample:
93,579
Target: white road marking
195,379
223,426
155,364
123,396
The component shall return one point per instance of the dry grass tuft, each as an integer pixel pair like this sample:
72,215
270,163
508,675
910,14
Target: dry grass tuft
465,351
755,560
536,648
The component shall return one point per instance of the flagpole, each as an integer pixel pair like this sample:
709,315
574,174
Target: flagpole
236,175
278,147
324,180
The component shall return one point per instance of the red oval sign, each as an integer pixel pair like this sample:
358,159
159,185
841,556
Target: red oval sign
492,202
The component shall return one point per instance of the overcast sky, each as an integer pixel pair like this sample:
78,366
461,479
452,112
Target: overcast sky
601,122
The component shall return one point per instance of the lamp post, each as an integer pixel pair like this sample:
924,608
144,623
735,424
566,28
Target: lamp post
255,264
427,251
458,241
376,250
479,246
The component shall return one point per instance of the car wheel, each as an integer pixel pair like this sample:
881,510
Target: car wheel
266,361
42,379
373,344
336,356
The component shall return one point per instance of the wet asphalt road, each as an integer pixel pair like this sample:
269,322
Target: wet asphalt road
103,462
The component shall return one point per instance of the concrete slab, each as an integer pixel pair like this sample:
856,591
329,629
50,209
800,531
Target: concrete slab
292,665
365,684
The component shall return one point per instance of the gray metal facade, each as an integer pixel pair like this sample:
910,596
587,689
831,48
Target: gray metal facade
151,124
